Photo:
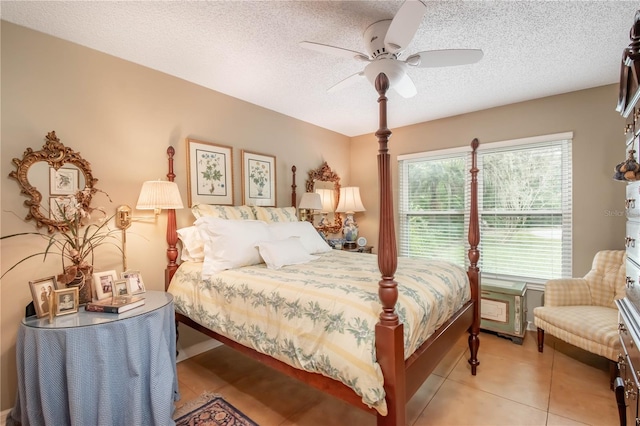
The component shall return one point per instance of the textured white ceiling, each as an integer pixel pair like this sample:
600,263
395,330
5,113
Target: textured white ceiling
249,50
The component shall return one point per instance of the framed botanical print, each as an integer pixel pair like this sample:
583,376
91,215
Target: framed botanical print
258,179
210,177
59,207
63,181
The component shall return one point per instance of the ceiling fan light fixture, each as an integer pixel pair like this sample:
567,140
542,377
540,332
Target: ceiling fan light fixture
394,70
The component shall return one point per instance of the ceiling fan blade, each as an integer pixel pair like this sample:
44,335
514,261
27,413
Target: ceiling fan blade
346,82
404,25
405,87
445,58
333,50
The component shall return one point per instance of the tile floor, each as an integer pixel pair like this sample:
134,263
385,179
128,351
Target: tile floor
515,385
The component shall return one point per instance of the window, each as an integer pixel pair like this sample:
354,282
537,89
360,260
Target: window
524,206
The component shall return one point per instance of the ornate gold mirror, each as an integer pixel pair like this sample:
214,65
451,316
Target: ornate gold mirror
323,178
49,176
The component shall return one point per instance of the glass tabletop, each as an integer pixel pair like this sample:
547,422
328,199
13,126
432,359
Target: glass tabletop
153,300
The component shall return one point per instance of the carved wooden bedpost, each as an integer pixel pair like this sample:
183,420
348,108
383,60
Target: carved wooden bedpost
293,187
474,256
389,331
172,235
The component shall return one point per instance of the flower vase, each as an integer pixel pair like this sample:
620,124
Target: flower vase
82,280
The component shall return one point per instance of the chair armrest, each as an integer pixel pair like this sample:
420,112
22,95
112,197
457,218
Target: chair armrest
567,292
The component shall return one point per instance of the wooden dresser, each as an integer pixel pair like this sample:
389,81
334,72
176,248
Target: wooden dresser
628,382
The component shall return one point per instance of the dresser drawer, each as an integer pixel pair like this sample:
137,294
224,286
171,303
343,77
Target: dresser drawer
630,395
631,352
633,282
632,240
629,360
630,128
632,202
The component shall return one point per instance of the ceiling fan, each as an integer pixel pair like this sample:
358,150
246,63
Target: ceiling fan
385,42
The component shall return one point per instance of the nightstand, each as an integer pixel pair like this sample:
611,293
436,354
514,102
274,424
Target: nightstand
364,249
91,362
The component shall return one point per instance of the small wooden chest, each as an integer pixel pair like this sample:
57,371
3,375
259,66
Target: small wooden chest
503,308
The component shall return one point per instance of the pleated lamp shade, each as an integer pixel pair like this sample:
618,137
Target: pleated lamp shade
328,200
159,194
311,201
350,201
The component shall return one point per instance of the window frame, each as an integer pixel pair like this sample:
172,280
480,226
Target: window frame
564,140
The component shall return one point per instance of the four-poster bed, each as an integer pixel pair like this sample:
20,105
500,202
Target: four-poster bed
402,374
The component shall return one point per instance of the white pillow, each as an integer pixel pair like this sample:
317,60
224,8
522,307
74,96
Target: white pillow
277,254
230,243
192,244
309,237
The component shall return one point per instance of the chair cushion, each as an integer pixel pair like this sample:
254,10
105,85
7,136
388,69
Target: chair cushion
592,328
607,277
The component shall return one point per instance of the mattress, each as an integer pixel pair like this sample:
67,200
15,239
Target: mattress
320,316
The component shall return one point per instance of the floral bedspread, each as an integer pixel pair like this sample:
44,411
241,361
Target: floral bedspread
321,316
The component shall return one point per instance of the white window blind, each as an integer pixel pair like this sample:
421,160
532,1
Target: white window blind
524,206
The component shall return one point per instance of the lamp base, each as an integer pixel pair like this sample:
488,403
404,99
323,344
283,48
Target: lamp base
349,245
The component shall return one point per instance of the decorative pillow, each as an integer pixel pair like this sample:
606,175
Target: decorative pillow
230,243
279,253
192,244
275,214
223,212
309,237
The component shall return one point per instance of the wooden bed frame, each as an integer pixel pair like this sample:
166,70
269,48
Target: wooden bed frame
402,378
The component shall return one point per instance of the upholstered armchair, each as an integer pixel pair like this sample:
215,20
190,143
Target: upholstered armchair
582,312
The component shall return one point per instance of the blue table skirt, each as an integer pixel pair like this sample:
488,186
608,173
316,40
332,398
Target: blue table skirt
122,372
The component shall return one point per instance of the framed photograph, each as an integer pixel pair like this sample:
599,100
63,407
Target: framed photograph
63,181
258,179
134,281
103,283
41,291
66,301
121,288
210,177
57,207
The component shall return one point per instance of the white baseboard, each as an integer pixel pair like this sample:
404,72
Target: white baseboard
3,416
193,350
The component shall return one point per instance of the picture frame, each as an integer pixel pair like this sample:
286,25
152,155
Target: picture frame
121,288
210,173
66,301
134,281
63,181
258,179
57,203
41,291
103,283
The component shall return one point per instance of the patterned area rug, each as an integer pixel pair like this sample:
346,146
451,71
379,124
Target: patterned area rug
211,410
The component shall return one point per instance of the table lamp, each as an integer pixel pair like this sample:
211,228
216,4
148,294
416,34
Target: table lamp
350,203
328,201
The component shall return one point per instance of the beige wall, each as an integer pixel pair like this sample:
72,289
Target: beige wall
598,145
121,117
